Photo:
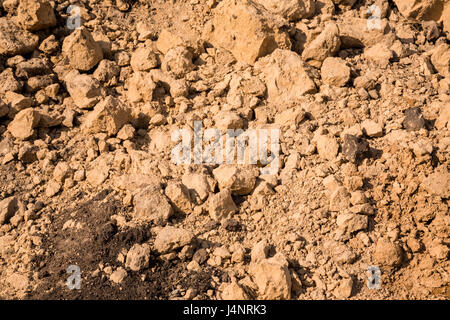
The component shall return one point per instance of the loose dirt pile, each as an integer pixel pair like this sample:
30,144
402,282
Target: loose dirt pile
351,200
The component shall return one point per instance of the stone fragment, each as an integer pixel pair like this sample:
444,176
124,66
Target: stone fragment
144,59
171,238
292,10
441,59
335,72
179,196
83,89
138,257
221,205
414,119
14,40
178,62
8,207
371,128
387,254
239,180
354,148
34,15
82,50
326,45
233,291
327,147
22,127
350,222
151,205
140,87
438,183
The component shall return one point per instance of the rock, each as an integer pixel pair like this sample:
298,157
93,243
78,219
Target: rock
151,205
228,120
198,185
34,15
171,38
15,41
245,29
106,71
53,187
98,171
8,208
50,45
438,183
387,254
292,10
238,179
286,76
443,121
345,288
327,147
441,59
420,10
233,291
326,45
371,128
84,90
349,222
272,277
170,238
357,33
179,196
4,109
339,252
118,275
354,148
335,72
8,83
126,133
144,59
140,87
178,62
260,251
82,50
379,54
108,116
221,205
62,171
340,199
18,102
138,257
22,127
414,119
438,250
290,116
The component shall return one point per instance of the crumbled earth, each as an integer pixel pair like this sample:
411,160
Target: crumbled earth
90,97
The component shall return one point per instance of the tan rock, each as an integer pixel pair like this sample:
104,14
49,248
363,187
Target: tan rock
379,53
290,9
199,186
8,207
170,38
326,45
108,116
83,89
150,204
98,171
356,33
178,62
138,257
327,147
387,253
171,238
233,291
140,87
179,195
438,183
82,50
441,59
421,10
221,205
371,128
286,76
118,275
244,28
35,15
272,277
350,222
144,59
239,180
14,40
335,72
22,127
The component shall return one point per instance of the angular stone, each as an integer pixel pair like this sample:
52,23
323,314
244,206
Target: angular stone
198,186
438,183
292,10
379,54
372,129
221,205
8,83
339,199
8,207
22,127
286,76
350,222
239,180
82,50
179,195
326,45
354,148
171,238
387,253
84,90
441,59
244,28
34,15
138,257
108,116
144,59
335,72
151,205
140,87
327,147
178,62
14,40
414,119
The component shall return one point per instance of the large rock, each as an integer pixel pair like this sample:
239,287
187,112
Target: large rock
36,15
239,180
387,254
179,196
8,207
286,76
82,50
438,183
421,9
84,90
171,238
441,59
22,127
14,40
272,277
144,59
140,87
356,33
8,83
138,257
335,72
178,62
246,29
108,116
326,45
150,204
290,9
221,205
